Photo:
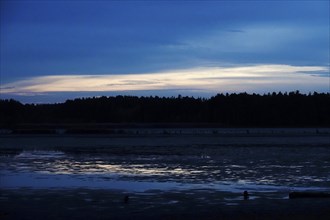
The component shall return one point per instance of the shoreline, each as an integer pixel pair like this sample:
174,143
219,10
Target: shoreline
110,204
159,129
156,143
190,141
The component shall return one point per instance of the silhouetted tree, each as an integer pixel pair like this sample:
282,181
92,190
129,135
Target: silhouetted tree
273,109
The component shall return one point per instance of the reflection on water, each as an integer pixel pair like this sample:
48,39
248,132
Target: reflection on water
275,170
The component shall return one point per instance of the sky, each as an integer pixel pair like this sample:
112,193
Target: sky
57,50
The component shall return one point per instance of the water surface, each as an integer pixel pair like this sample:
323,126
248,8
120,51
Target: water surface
268,170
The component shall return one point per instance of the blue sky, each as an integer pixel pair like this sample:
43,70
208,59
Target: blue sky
54,50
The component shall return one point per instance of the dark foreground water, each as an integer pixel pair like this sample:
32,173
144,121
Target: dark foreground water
163,176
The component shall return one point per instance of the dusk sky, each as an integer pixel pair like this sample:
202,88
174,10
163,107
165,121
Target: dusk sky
55,50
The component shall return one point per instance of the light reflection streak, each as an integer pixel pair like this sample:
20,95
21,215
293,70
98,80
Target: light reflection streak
145,169
100,167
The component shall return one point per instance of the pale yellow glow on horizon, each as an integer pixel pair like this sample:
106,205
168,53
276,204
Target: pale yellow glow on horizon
210,78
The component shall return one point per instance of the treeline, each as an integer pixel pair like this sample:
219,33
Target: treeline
228,110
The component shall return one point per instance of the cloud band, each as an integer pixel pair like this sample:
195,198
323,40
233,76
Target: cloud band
211,79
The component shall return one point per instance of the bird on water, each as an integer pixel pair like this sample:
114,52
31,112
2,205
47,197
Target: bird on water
126,198
246,195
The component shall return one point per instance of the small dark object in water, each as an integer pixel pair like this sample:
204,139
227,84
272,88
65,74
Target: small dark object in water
126,198
296,195
3,214
246,195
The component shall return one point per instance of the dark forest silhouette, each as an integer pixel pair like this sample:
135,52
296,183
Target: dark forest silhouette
228,110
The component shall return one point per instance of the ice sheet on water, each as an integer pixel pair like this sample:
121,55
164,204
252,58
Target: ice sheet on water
44,181
263,171
40,154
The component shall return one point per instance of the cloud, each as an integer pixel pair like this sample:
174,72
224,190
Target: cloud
255,78
260,38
